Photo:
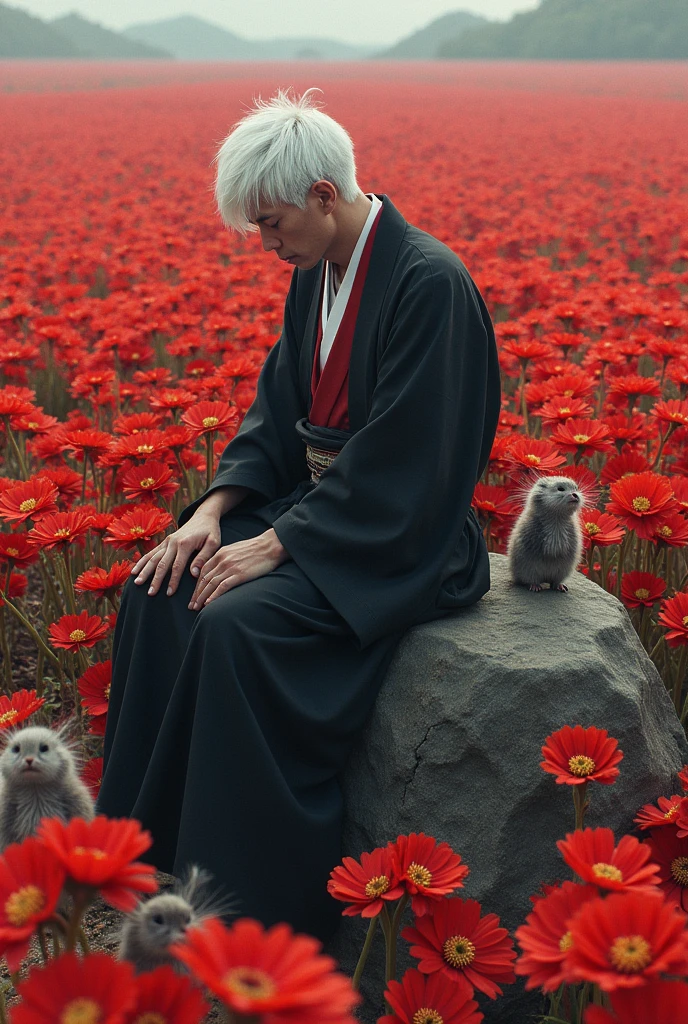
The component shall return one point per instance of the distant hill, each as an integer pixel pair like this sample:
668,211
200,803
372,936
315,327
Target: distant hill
22,35
190,38
423,45
93,40
582,30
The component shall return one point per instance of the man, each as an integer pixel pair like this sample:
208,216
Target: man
340,516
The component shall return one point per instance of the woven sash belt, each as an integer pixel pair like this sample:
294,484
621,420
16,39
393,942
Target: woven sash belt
323,445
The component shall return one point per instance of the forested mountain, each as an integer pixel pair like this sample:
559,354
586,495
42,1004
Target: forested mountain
191,38
22,35
582,30
423,45
95,41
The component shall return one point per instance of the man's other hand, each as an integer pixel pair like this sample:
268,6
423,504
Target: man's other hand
237,563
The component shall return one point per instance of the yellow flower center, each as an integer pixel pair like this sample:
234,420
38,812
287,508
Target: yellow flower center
376,886
148,482
145,449
592,529
77,636
581,438
150,1018
210,421
666,531
250,982
427,1016
565,942
28,504
24,904
62,532
81,1011
89,851
564,409
419,875
136,531
685,620
671,813
679,869
535,459
602,870
9,716
581,765
641,504
107,691
630,953
642,593
458,951
12,552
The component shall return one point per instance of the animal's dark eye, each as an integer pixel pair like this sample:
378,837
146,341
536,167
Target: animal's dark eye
561,487
43,747
16,748
158,919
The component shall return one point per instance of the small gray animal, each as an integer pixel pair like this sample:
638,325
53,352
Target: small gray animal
38,779
150,930
546,543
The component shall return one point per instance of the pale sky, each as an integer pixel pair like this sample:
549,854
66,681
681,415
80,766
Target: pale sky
380,22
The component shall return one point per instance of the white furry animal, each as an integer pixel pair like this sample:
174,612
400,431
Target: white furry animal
38,779
150,930
546,543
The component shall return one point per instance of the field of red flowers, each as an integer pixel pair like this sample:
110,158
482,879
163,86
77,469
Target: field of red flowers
133,327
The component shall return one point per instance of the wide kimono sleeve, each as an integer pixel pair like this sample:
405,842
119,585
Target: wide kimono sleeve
390,520
267,455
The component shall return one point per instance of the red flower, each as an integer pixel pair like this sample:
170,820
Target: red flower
673,530
674,410
31,880
94,687
137,526
641,588
86,442
99,855
18,549
576,755
92,775
631,386
149,478
168,998
96,989
581,436
59,529
642,501
143,445
172,399
560,408
545,937
658,1002
532,454
429,999
29,499
366,884
72,632
626,464
650,816
600,528
670,852
591,853
207,417
626,940
471,950
18,707
271,973
674,614
104,582
427,869
17,586
683,777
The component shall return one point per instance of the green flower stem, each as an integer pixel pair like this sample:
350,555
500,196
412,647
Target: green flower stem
81,901
580,803
390,945
15,448
67,584
43,941
208,459
36,636
623,548
6,654
370,934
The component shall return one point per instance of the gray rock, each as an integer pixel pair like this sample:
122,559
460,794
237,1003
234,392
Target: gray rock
453,747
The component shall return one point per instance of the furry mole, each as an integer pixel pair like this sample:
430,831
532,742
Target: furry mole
546,543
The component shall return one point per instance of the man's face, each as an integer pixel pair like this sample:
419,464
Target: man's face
298,237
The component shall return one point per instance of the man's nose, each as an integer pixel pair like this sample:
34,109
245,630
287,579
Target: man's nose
270,244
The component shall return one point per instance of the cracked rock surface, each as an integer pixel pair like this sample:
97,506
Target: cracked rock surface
453,747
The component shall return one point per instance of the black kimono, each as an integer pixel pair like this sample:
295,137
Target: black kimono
228,727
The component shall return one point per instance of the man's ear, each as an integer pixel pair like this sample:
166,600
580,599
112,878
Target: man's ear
326,194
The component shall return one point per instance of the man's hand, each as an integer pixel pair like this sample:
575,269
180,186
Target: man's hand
237,563
201,534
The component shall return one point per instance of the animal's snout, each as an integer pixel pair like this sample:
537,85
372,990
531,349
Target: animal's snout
29,761
575,498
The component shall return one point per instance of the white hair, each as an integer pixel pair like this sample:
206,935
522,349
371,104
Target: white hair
274,155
